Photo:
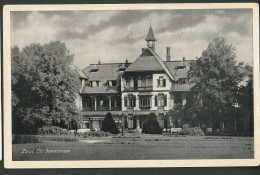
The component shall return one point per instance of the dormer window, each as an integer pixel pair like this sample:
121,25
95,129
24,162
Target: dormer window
122,68
94,83
94,69
111,83
183,81
180,67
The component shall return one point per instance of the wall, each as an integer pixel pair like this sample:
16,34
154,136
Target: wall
153,107
168,82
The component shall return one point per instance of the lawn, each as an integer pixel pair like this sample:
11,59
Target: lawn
139,147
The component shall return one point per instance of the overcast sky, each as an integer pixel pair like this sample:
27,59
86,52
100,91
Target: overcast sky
113,36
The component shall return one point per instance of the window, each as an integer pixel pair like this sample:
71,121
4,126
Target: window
162,100
143,82
144,101
125,101
127,82
130,100
165,100
111,83
183,81
149,81
97,83
161,82
155,100
90,84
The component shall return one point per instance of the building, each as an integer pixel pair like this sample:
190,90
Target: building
131,91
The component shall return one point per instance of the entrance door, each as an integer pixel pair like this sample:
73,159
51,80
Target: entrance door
130,121
96,125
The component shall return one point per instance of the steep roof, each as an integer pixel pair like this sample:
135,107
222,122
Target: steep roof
150,35
149,60
79,73
174,68
109,71
103,73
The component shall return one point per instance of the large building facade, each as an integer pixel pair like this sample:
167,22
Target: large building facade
131,91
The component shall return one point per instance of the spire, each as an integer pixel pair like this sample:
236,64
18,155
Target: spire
150,38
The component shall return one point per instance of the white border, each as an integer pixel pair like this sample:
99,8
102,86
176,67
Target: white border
8,163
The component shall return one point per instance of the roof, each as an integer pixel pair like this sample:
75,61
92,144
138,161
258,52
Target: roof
79,73
178,73
107,71
150,35
102,89
155,63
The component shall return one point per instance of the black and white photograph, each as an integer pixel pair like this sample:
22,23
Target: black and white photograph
131,85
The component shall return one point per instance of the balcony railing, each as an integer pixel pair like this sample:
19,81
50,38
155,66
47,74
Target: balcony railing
146,88
132,89
101,108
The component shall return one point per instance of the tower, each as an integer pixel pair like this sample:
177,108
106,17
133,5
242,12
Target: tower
150,39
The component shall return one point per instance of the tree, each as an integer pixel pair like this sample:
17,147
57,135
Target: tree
245,110
109,125
43,89
151,125
176,114
216,77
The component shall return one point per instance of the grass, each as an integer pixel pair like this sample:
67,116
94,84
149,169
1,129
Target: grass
134,146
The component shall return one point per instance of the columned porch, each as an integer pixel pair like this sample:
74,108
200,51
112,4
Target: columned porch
101,102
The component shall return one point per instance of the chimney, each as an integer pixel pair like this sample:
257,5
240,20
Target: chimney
168,54
99,62
126,61
183,59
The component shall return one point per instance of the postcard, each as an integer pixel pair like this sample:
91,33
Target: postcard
131,85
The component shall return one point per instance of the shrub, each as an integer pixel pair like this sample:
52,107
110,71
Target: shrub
151,125
22,139
109,125
94,134
60,138
192,131
52,130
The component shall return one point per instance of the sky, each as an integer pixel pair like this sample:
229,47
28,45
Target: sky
116,35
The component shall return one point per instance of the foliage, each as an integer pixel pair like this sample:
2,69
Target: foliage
151,125
216,77
109,125
22,139
93,134
177,115
244,113
60,138
52,130
43,87
192,131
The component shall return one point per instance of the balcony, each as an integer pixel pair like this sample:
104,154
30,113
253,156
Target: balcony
146,88
116,108
130,89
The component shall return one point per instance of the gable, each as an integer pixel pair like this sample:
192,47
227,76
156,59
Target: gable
144,63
